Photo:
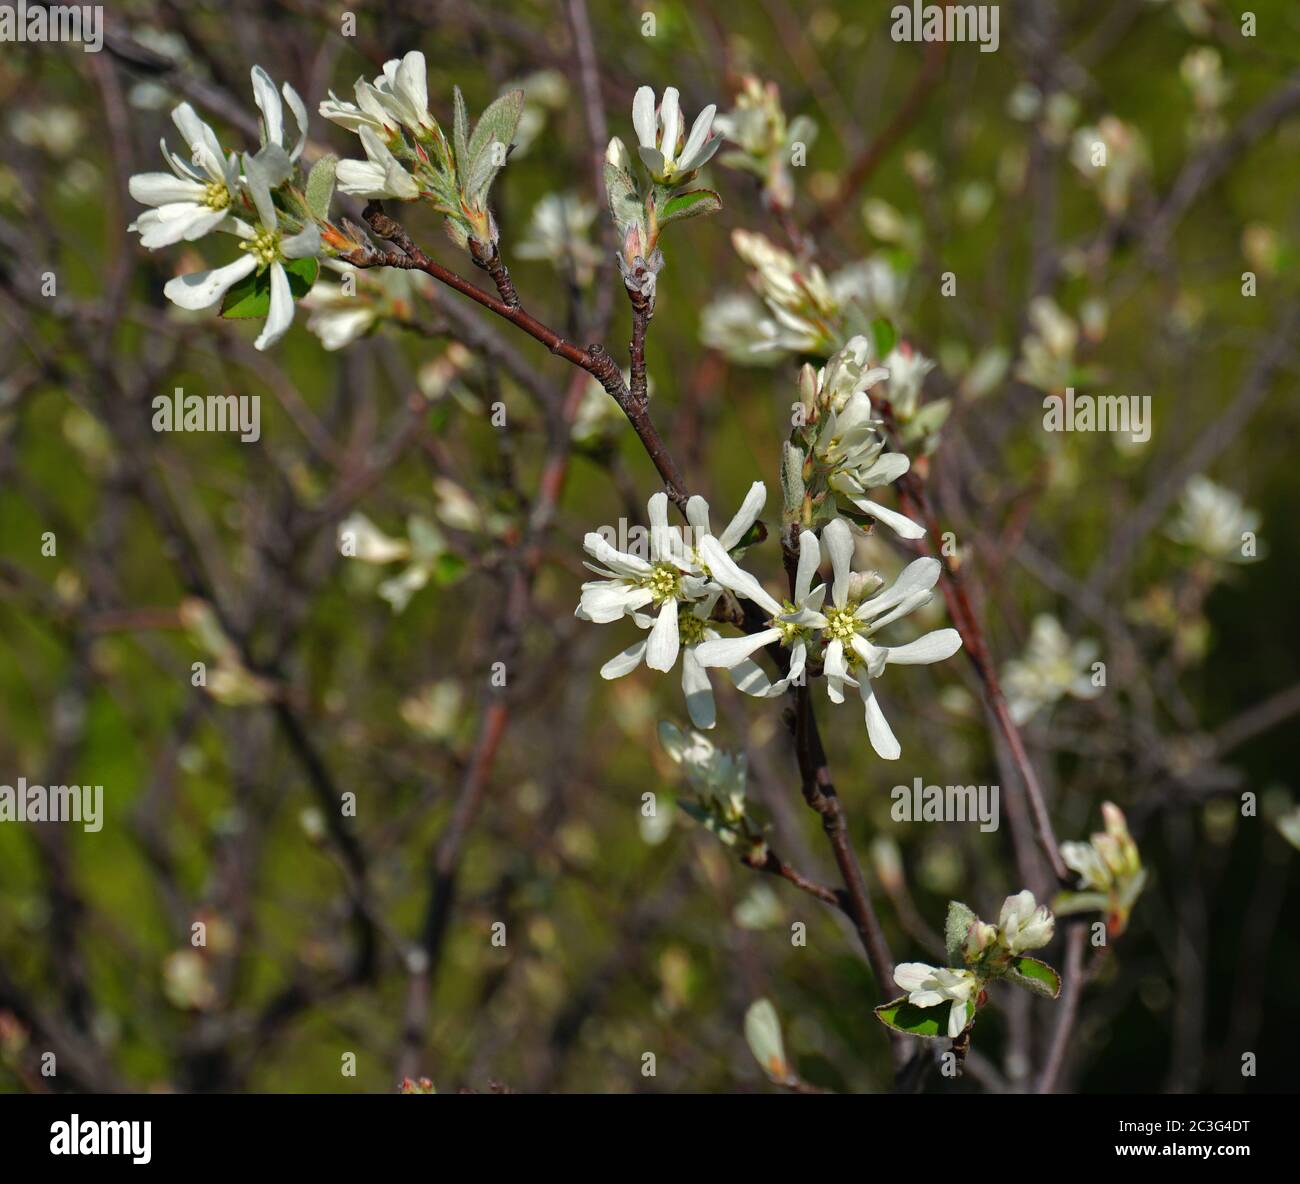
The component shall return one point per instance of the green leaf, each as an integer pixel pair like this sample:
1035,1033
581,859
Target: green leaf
1036,976
448,568
690,204
320,185
497,123
960,919
883,336
930,1023
251,296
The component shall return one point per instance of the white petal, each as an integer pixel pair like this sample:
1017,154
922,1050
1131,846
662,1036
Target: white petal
699,694
699,133
729,651
833,665
280,316
697,514
664,640
901,525
919,576
660,544
300,118
933,647
303,245
268,102
625,662
839,542
745,517
878,730
600,549
643,117
726,572
911,975
810,557
749,677
956,1018
202,289
158,189
670,116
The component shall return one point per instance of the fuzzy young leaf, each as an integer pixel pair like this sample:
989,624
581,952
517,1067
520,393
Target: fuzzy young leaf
497,123
624,201
690,204
960,919
930,1023
251,296
1036,976
320,185
460,131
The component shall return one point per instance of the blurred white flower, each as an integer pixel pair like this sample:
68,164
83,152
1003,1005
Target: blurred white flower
1217,522
559,232
1052,667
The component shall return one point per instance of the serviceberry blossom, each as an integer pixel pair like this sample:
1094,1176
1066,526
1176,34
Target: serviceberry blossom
1217,522
265,248
268,103
659,134
841,633
931,986
196,196
683,596
1051,667
1024,924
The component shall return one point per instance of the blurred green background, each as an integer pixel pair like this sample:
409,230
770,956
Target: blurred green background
621,938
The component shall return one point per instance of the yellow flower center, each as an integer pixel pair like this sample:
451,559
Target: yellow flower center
216,196
265,246
690,628
663,582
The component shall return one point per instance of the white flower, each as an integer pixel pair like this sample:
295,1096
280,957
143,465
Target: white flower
268,103
659,134
266,248
907,370
367,111
847,626
403,90
848,444
929,986
727,652
844,628
1047,353
1215,520
1024,924
1109,859
673,583
194,198
1052,666
380,175
715,774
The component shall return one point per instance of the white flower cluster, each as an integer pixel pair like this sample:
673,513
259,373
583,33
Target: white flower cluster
1216,522
253,198
408,157
1023,924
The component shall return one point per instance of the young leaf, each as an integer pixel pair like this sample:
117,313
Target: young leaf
497,123
883,336
320,185
690,204
251,296
960,919
460,131
1036,976
763,1035
930,1023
